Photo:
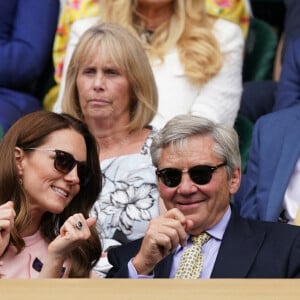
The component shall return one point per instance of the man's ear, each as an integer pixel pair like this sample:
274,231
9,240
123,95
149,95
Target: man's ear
235,181
19,156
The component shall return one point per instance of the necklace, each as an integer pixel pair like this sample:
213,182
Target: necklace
146,35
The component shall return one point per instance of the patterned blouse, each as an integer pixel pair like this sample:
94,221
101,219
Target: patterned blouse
129,197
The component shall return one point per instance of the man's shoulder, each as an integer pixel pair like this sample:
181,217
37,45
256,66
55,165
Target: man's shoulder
268,228
251,226
279,119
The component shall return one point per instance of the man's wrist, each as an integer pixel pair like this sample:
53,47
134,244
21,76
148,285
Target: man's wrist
132,272
141,267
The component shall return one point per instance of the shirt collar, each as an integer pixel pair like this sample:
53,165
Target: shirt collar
217,231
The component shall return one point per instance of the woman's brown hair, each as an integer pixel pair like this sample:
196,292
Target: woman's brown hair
32,131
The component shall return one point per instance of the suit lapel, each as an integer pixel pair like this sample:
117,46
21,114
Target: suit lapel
285,168
238,249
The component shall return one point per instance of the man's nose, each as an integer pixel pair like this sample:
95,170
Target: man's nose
186,185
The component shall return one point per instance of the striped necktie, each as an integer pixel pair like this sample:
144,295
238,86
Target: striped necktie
192,258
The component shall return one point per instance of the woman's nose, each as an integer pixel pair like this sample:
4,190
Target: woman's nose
98,80
73,176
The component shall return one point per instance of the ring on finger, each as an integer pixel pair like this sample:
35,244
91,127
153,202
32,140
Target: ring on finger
78,225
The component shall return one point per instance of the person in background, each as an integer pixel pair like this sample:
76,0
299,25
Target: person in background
270,186
235,11
266,96
267,191
27,30
288,89
199,170
71,10
291,31
286,85
110,86
196,58
49,182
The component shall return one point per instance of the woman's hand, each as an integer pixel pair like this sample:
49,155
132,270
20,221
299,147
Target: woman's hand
7,220
75,230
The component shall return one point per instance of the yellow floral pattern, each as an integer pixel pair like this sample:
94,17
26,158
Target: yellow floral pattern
72,11
231,10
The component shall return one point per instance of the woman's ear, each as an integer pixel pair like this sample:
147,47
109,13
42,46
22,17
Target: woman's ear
19,156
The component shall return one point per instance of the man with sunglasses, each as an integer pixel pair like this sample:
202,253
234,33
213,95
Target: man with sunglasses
199,170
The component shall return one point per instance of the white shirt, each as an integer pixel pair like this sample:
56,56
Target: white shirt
291,200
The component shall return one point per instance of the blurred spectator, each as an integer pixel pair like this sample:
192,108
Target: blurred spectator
262,97
71,10
291,31
209,86
270,188
232,10
27,30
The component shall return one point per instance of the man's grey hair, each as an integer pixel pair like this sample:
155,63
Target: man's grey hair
180,128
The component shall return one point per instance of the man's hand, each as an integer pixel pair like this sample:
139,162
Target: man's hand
163,236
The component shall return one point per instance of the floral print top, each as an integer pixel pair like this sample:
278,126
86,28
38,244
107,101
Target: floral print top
71,11
231,10
129,197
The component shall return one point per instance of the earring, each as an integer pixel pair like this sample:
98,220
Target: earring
21,181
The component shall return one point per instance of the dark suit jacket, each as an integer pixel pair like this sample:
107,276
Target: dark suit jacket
249,249
274,153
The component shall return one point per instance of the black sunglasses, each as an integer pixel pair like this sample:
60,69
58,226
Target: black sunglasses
64,162
201,174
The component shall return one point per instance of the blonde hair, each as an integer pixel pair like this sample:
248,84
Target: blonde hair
189,30
125,51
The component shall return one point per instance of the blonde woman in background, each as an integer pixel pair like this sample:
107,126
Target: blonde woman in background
110,86
196,58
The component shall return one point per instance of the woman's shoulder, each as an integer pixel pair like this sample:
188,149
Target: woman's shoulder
151,132
228,33
226,25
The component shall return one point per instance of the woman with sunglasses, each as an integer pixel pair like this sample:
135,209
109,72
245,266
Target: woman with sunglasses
49,181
